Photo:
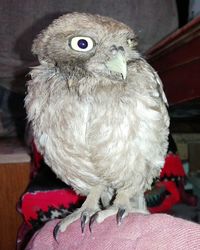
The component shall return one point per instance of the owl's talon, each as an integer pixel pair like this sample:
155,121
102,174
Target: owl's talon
56,230
120,215
92,220
84,220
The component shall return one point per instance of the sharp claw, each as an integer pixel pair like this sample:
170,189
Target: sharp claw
120,214
83,221
92,220
55,231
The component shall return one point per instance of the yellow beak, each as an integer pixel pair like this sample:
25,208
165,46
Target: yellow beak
118,64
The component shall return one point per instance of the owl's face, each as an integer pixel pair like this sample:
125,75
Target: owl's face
97,45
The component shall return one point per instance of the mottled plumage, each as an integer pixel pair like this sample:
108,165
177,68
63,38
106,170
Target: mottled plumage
98,114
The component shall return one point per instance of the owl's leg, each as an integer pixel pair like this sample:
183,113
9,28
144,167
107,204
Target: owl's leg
122,206
106,197
88,208
138,203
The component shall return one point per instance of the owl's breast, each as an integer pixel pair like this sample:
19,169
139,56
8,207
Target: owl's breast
91,140
85,138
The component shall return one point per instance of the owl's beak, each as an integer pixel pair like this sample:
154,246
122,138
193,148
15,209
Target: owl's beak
118,64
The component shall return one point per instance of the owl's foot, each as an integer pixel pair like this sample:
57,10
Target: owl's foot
84,213
120,213
122,206
87,216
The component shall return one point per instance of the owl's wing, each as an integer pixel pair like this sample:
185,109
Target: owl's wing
159,86
156,79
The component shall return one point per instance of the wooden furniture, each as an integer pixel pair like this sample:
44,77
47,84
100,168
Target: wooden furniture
177,60
14,177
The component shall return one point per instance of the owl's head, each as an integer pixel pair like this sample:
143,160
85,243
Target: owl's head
95,44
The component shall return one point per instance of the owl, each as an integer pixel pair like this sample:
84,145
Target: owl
98,114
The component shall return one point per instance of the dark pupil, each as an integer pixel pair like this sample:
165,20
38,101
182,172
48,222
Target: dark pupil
82,43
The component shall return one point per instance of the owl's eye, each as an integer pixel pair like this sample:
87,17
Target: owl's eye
80,43
131,42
